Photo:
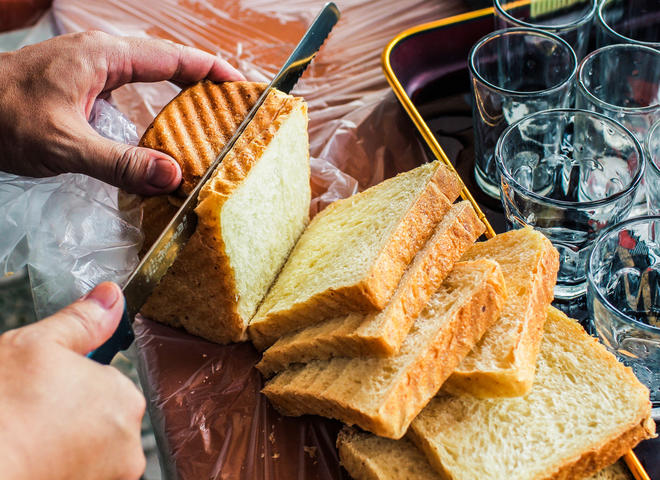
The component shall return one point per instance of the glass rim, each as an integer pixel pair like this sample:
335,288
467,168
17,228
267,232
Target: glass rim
591,284
603,24
634,183
610,106
552,28
508,31
647,144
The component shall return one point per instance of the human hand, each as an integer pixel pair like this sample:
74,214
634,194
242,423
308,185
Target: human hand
63,416
47,92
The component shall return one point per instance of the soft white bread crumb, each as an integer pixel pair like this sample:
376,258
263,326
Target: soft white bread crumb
584,411
502,363
353,254
383,394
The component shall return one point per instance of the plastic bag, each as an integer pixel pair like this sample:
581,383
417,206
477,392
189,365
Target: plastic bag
68,229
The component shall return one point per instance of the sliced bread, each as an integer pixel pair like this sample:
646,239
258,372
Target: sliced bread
584,411
353,254
384,394
502,363
250,213
368,457
382,333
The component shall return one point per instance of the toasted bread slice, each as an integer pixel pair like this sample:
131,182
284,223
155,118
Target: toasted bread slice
382,333
353,254
503,362
368,457
195,126
384,394
584,411
250,213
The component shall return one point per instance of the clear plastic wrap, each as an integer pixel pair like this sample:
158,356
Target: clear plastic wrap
68,229
209,418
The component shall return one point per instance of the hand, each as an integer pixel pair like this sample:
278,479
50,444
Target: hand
46,95
63,416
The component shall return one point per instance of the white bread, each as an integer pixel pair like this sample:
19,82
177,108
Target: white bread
382,333
383,394
353,254
502,363
368,457
250,213
584,411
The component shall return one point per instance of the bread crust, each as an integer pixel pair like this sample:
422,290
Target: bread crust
416,383
373,291
382,333
518,379
199,292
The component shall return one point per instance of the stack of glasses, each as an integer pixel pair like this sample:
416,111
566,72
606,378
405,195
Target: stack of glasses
570,142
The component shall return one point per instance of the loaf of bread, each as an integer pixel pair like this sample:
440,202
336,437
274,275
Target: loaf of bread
584,411
383,394
368,457
382,333
250,213
502,363
354,253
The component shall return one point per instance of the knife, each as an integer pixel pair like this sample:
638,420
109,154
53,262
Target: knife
166,248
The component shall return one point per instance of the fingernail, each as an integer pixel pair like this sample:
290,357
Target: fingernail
161,173
106,295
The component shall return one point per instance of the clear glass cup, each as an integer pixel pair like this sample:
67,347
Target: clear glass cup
514,73
569,174
623,82
623,297
628,21
653,169
569,20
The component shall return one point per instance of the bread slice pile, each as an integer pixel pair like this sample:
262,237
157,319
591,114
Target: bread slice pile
583,412
383,302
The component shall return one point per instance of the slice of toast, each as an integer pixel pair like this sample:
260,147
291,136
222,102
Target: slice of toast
503,362
383,332
384,394
250,213
197,123
368,457
584,411
353,254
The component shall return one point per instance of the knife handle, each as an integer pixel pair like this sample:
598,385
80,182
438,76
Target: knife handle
120,340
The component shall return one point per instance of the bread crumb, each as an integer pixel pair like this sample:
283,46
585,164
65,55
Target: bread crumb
276,455
271,438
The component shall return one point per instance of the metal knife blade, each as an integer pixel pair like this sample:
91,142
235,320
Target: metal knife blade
167,247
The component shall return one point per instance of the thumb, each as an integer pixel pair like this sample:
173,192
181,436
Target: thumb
134,169
87,323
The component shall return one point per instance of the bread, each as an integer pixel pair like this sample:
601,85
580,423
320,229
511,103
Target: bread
195,126
353,254
502,363
383,394
584,411
250,213
381,333
368,457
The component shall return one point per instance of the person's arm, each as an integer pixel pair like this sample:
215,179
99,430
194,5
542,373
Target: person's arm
47,91
63,416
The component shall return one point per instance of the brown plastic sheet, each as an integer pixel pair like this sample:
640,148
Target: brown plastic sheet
210,420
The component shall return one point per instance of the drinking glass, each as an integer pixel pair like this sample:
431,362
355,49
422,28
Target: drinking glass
628,21
623,82
623,297
514,73
569,20
653,169
568,174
